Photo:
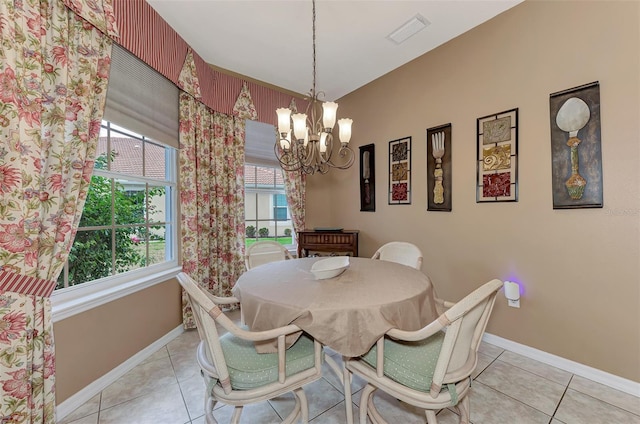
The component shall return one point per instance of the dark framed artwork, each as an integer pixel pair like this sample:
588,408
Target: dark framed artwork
400,171
439,175
497,157
367,178
576,150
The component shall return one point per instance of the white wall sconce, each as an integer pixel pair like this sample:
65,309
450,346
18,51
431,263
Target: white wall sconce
512,293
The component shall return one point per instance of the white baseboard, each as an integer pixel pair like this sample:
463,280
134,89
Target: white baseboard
74,402
594,374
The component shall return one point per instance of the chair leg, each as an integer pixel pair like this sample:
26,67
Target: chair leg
304,404
367,392
209,405
346,379
293,415
464,410
431,416
242,323
374,415
235,418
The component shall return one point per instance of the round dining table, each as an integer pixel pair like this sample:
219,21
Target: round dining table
347,313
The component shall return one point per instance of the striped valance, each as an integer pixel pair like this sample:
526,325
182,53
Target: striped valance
144,33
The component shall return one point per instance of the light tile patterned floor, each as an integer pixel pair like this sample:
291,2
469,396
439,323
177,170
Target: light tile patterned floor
508,389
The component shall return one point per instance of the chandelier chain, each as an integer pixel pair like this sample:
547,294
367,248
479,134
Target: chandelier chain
314,44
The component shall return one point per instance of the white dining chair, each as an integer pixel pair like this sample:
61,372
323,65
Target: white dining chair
234,373
401,252
262,252
429,368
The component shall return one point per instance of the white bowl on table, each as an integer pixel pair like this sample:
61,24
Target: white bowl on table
330,267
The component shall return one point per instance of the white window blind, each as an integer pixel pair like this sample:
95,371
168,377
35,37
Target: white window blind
260,139
141,99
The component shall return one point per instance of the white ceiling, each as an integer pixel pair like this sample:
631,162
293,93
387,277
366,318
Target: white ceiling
271,40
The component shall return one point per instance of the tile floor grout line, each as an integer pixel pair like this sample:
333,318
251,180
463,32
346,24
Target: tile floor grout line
516,400
99,407
535,373
553,416
175,375
604,401
485,368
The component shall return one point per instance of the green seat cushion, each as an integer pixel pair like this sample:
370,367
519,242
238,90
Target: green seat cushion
411,364
249,369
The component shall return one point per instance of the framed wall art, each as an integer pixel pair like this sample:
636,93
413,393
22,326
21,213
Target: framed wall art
400,171
439,176
367,178
576,151
497,159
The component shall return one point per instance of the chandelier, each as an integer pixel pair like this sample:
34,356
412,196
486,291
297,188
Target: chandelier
311,148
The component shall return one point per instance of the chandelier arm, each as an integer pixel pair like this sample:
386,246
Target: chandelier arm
288,161
345,153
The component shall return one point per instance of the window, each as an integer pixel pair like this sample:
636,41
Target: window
280,207
266,211
129,220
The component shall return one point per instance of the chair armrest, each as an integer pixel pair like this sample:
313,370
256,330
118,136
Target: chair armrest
442,305
255,336
221,300
412,336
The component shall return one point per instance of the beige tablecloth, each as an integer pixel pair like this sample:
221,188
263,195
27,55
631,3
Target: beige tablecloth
347,313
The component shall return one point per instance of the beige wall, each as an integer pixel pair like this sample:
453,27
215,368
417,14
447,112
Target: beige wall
91,344
579,268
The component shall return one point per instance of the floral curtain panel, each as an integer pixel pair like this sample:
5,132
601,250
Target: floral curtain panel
98,13
211,198
295,183
54,70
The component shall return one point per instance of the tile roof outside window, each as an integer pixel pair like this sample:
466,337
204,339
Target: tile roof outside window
128,157
258,176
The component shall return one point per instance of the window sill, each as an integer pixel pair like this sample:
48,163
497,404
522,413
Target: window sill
77,299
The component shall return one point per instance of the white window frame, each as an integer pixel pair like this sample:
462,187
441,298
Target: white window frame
293,247
79,298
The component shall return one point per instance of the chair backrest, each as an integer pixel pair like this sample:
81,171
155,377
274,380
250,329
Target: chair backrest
401,252
205,314
263,252
465,323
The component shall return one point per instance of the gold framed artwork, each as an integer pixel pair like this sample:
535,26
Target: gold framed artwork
400,171
497,157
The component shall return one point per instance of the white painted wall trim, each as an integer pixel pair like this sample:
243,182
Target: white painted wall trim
83,396
77,299
594,374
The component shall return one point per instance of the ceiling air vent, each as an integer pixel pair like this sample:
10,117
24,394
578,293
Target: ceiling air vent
409,28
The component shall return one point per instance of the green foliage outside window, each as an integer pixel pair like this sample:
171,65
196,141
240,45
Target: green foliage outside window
91,256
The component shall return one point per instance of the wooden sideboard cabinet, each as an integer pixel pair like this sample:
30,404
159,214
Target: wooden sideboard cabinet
323,243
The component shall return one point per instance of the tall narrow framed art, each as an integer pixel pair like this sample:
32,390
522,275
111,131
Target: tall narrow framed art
439,175
400,171
497,157
367,178
576,151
